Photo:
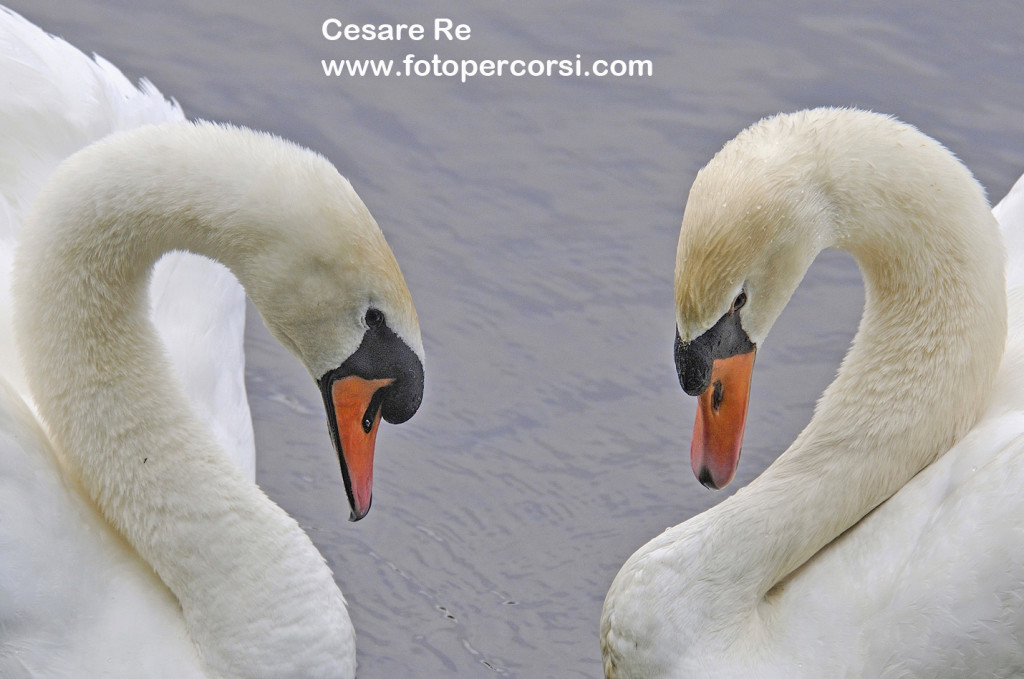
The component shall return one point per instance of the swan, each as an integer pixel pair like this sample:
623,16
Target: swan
886,540
132,544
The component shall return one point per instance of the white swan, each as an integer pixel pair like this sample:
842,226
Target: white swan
844,558
210,578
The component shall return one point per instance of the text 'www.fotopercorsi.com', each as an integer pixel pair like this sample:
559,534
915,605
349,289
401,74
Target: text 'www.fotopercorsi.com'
444,30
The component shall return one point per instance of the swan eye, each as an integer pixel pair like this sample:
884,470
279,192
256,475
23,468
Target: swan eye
374,317
740,300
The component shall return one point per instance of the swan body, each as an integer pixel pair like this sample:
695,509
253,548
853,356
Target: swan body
886,541
133,544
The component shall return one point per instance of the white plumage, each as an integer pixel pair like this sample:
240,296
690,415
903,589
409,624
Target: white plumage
55,101
70,588
841,559
203,575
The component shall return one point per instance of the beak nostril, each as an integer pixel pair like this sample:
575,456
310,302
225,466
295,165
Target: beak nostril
375,407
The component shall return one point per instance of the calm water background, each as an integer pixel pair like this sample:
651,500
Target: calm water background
536,221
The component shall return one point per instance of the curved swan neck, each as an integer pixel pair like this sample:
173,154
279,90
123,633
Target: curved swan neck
914,381
929,342
106,392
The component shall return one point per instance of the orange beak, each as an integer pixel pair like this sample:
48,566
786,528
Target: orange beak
356,417
721,417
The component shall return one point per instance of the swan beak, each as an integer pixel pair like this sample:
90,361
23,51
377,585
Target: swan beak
721,417
354,412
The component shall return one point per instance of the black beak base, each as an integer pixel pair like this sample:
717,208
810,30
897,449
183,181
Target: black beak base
724,339
384,355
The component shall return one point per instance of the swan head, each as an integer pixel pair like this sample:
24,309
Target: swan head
341,305
753,223
326,283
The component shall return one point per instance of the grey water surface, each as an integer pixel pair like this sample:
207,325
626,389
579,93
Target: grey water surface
536,219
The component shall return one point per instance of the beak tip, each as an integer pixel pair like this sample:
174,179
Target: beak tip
707,480
357,513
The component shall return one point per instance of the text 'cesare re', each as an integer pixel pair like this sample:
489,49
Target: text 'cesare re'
443,29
